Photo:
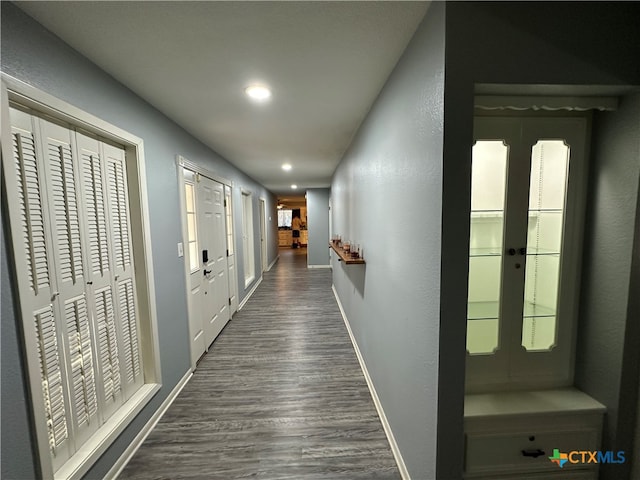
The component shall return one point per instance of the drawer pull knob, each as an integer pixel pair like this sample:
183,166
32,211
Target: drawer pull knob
533,453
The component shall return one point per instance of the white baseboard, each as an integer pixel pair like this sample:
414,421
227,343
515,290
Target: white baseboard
248,295
133,447
318,266
404,473
273,263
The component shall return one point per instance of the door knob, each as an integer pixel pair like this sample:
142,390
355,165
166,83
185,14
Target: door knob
207,272
511,251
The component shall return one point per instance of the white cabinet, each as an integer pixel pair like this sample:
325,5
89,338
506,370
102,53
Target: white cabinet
527,208
285,238
527,200
513,435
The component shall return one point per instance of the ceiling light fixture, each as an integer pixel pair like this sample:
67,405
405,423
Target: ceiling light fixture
294,186
259,93
286,167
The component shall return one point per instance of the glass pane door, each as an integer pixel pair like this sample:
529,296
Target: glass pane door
547,193
488,183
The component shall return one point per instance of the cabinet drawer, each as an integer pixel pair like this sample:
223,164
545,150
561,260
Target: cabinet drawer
560,474
502,452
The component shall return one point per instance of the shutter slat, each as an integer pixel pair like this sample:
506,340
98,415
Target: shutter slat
129,328
66,212
52,390
108,343
31,210
80,350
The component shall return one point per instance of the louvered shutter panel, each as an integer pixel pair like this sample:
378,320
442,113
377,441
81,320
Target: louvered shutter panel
69,243
31,209
64,195
108,348
100,270
127,321
71,232
81,372
129,329
31,228
97,223
51,375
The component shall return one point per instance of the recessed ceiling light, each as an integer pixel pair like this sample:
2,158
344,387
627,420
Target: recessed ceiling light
259,93
294,186
286,167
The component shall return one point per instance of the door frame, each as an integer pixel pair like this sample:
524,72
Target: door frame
263,234
182,162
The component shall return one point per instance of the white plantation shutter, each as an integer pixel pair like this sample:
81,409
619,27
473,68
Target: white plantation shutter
96,216
81,371
100,271
31,209
32,241
126,308
67,225
118,202
108,348
52,386
69,211
130,338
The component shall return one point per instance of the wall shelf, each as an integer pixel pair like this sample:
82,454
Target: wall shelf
345,257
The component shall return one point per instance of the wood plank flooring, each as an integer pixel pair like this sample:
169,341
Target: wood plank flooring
279,396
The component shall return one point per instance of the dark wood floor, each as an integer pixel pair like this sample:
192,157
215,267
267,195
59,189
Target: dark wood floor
279,396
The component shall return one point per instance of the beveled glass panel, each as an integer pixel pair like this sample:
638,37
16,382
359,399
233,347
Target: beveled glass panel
547,193
193,256
189,197
191,227
488,182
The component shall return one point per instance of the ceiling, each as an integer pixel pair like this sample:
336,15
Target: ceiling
325,63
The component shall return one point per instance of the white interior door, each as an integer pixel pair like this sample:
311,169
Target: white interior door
194,270
206,260
214,257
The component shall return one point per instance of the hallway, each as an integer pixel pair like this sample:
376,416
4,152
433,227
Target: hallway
279,396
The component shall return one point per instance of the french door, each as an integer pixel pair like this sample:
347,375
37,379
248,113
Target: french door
527,200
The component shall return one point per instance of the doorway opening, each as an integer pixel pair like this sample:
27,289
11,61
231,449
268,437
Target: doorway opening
292,223
209,262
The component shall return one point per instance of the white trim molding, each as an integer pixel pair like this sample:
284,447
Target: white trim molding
248,295
194,167
133,447
273,263
404,473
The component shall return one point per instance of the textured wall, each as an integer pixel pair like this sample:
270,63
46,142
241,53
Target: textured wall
318,225
609,244
386,195
33,55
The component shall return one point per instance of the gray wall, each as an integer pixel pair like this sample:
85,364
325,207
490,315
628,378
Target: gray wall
538,43
608,338
33,55
386,195
318,225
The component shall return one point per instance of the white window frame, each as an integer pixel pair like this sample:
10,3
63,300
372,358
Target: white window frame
85,457
248,238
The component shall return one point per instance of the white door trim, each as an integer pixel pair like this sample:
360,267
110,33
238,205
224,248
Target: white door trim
264,237
194,167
